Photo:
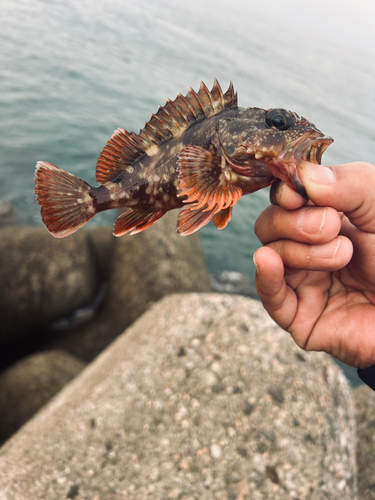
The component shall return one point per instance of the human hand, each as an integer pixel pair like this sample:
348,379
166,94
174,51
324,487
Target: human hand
316,274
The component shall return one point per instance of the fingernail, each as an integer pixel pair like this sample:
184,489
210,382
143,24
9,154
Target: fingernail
327,251
275,192
255,264
318,173
279,191
312,221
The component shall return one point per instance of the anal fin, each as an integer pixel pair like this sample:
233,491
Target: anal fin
135,221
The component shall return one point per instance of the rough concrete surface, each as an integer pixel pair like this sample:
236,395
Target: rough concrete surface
364,399
203,397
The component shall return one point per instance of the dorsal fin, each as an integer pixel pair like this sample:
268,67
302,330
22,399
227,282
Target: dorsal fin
170,121
176,116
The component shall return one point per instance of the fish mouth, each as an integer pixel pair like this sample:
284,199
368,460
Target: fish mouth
313,150
310,147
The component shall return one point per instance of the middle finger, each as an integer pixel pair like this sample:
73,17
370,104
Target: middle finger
308,224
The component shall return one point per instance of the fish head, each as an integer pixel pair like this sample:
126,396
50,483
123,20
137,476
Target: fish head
277,140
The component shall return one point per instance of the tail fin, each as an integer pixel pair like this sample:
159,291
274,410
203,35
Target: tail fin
64,198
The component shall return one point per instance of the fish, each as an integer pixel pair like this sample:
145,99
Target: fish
199,153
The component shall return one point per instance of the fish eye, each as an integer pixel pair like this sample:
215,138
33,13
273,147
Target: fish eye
281,119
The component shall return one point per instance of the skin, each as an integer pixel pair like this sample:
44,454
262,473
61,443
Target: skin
316,271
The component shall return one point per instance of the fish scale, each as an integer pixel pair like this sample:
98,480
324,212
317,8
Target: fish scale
200,152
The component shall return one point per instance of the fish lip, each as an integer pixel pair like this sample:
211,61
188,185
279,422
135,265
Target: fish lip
309,147
313,149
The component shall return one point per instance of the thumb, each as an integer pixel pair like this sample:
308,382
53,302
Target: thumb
348,188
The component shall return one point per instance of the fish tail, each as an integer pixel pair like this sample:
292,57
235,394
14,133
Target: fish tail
65,200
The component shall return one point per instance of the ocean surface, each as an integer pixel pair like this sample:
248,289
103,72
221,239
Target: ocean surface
72,71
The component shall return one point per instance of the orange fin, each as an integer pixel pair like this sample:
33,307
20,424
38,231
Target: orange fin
190,221
222,218
206,181
66,204
136,221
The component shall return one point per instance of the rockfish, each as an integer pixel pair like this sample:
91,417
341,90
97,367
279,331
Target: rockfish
200,152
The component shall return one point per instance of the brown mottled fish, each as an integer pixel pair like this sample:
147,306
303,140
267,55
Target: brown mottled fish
200,152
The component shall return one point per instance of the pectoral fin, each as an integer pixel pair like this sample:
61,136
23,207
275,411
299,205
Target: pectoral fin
206,181
207,184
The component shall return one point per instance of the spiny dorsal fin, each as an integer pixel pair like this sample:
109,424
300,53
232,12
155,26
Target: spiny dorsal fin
171,120
176,116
